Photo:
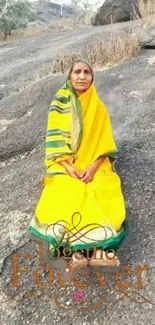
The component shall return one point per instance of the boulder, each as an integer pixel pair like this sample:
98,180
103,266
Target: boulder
147,38
113,11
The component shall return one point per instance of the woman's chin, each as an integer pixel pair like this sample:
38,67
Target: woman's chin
81,89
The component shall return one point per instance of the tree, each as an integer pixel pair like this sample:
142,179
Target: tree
14,14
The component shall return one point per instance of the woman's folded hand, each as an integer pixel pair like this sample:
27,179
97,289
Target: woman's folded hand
72,171
88,174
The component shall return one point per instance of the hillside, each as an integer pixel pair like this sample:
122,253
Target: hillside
45,12
127,89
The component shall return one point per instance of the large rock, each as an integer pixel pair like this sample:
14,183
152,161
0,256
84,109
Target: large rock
147,38
113,11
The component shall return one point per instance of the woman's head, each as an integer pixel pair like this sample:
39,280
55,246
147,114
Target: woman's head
81,76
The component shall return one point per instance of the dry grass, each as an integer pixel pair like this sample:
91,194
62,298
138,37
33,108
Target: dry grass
113,50
101,53
32,31
65,24
23,33
145,13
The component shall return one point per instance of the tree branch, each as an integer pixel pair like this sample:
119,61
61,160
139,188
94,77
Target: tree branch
4,9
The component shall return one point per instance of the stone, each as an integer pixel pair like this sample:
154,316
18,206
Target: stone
114,11
68,303
147,38
43,319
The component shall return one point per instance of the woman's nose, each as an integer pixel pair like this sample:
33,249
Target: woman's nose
82,75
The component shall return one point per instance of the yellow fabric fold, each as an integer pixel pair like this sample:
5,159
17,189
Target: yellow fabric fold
97,139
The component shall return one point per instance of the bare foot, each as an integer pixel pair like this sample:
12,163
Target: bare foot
78,261
104,259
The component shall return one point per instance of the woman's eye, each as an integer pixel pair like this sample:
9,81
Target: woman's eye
86,72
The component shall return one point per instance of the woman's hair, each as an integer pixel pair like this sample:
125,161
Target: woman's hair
81,61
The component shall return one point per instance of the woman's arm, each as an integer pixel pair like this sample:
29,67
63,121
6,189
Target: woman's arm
87,175
70,169
64,163
97,163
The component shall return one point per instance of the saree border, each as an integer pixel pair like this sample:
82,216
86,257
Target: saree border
111,243
78,111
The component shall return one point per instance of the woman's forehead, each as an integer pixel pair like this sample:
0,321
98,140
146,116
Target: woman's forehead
81,66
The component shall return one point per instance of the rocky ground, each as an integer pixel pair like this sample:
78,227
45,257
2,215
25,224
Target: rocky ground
128,92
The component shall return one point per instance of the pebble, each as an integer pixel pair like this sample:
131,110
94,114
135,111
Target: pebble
43,319
68,303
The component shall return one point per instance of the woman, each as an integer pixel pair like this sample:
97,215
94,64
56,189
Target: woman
82,205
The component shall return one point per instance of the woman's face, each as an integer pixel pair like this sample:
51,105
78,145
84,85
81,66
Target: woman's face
81,77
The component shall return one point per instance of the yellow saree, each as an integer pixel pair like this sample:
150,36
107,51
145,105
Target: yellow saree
70,213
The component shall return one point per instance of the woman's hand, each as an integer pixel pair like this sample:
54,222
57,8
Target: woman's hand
88,174
71,171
